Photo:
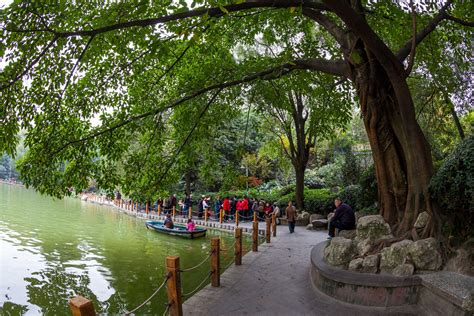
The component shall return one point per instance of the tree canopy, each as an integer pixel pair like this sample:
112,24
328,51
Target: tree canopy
93,85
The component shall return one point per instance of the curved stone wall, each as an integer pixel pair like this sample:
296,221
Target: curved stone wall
362,288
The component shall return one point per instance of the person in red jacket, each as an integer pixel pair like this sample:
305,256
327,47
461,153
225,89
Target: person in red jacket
245,208
267,209
226,208
239,208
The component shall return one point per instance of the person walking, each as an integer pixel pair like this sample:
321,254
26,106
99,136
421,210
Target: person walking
291,217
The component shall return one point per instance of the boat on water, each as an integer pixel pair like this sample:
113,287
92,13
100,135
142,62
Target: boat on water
177,230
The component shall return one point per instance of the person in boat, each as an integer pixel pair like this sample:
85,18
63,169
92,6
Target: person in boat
168,222
190,226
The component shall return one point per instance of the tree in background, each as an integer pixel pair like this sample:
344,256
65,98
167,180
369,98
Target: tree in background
300,118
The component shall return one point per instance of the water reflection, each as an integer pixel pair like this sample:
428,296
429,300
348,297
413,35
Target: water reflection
52,250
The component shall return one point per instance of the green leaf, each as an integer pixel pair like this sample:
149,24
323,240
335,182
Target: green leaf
223,9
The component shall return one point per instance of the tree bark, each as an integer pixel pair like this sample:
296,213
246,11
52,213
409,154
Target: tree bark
402,156
299,190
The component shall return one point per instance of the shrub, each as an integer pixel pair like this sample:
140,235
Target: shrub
453,188
319,201
351,195
331,174
350,168
312,180
269,186
315,200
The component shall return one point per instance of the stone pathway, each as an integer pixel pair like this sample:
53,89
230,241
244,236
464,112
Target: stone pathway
275,281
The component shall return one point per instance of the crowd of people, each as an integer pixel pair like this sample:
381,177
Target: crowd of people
244,207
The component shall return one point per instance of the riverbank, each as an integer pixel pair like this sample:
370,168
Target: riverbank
212,223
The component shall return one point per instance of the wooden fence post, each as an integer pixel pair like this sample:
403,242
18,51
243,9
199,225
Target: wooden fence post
173,286
238,246
159,209
190,215
268,230
274,225
174,211
236,218
255,217
221,215
205,215
255,237
215,262
81,306
147,207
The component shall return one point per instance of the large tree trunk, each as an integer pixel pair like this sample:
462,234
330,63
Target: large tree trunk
402,157
299,191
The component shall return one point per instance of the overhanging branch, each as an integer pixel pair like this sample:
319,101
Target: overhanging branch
459,21
404,51
268,74
31,65
211,12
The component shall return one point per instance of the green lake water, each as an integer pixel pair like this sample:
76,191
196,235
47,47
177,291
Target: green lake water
51,250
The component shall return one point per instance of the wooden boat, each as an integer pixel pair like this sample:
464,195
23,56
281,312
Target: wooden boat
178,230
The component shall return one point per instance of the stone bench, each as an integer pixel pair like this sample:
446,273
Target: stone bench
447,293
439,293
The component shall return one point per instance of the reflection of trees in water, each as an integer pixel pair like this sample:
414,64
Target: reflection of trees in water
10,308
51,289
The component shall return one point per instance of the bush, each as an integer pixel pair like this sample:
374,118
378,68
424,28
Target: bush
315,200
453,188
312,181
287,190
331,174
369,191
319,201
351,195
350,168
269,186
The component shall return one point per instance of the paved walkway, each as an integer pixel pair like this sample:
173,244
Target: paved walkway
276,281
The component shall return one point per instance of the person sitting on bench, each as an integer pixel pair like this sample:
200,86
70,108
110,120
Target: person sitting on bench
343,219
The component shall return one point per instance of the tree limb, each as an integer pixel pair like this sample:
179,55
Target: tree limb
430,27
371,40
268,74
413,41
459,21
338,33
211,12
31,65
75,65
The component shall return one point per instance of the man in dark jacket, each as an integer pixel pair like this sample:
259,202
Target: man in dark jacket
343,219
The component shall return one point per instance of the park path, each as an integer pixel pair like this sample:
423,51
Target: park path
276,281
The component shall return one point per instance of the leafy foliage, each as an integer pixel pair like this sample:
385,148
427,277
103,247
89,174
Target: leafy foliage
315,200
453,188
